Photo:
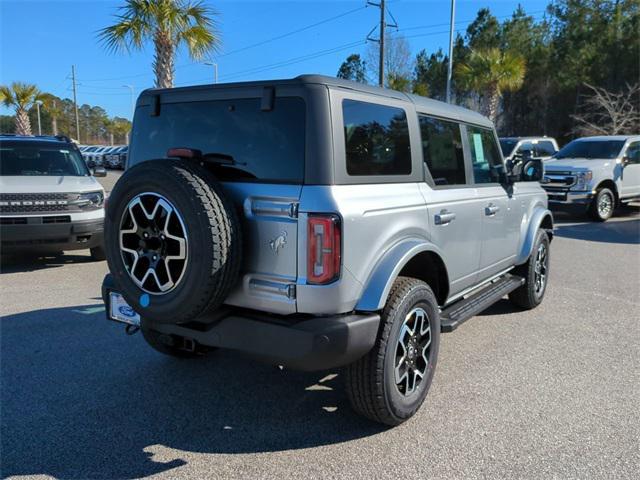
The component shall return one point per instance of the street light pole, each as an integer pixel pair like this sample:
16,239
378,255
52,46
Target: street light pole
215,70
38,103
133,100
450,66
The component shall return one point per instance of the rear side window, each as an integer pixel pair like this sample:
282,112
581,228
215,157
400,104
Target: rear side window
442,150
265,145
485,156
544,148
376,139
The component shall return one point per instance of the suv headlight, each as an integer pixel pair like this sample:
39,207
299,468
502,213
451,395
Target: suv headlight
91,199
582,180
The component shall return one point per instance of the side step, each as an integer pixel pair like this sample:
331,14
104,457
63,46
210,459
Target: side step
453,316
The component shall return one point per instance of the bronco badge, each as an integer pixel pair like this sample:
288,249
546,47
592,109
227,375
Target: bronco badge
279,242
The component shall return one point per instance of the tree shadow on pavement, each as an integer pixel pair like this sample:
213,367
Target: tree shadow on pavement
30,262
80,399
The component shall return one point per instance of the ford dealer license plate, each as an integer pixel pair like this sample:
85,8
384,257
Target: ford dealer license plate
120,310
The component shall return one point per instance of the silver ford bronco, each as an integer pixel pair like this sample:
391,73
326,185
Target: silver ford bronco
317,223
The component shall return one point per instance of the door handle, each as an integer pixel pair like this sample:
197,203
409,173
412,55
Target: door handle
491,209
444,217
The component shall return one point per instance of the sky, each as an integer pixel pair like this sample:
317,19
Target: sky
260,39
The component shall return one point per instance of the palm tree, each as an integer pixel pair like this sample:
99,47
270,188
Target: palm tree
168,23
21,97
489,73
54,106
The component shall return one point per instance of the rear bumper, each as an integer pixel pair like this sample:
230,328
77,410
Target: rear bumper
298,342
60,235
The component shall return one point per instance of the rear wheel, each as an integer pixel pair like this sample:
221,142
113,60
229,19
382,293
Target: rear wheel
602,205
390,383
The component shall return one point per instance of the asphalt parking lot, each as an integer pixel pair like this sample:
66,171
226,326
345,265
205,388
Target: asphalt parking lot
549,393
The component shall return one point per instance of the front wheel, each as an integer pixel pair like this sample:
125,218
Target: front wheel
390,383
535,273
602,205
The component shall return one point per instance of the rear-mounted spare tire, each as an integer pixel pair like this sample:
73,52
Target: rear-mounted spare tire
172,240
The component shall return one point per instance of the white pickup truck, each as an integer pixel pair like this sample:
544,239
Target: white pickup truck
595,174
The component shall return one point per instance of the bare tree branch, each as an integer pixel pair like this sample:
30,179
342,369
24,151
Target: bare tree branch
609,113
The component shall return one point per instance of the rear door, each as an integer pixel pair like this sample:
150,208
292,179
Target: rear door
454,222
499,209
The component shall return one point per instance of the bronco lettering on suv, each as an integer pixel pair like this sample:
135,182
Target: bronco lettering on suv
318,223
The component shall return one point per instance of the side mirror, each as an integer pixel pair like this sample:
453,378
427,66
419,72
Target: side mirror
513,171
533,170
625,161
99,172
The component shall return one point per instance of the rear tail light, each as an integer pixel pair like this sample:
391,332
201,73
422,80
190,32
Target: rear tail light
323,249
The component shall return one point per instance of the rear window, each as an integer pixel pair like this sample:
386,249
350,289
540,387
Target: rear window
507,145
544,148
40,159
376,139
265,145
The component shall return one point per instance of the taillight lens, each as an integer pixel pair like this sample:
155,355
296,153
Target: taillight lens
323,251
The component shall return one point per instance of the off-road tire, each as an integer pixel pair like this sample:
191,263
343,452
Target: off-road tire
370,383
98,254
526,296
594,210
213,233
168,345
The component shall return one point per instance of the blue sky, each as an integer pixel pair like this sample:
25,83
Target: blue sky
40,40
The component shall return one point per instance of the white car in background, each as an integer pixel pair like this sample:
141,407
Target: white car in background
50,200
532,147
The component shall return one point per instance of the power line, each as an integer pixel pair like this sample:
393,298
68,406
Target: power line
290,61
434,25
242,49
293,32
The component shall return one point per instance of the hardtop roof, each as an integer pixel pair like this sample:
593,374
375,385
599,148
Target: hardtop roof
422,104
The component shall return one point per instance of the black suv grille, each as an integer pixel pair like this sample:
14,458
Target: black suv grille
38,202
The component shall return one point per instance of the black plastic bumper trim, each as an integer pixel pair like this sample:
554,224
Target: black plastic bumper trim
297,342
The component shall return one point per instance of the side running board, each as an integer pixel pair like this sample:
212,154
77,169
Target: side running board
453,316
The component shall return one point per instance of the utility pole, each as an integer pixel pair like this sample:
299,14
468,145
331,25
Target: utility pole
450,65
381,40
133,100
38,103
75,101
215,70
381,64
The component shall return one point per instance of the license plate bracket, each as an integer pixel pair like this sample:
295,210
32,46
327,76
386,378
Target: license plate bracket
120,311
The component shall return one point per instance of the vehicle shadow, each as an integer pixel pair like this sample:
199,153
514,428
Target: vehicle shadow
501,307
80,399
30,262
613,231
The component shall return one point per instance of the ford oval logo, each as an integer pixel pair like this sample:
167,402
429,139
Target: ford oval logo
127,311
